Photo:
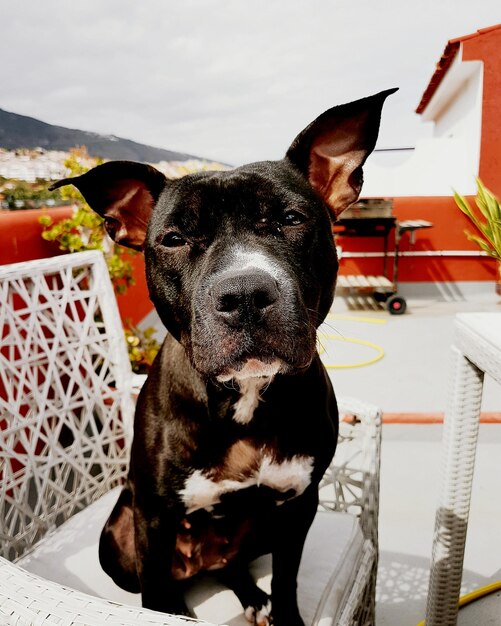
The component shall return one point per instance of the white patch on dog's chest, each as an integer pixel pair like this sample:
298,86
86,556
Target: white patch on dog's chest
294,475
249,399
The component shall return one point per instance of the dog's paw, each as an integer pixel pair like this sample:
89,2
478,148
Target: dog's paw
259,615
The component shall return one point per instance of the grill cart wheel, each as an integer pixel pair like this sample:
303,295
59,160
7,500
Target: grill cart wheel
396,305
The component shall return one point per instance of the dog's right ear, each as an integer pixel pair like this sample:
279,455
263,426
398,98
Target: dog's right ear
331,151
124,194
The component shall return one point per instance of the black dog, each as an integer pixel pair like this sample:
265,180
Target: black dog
241,267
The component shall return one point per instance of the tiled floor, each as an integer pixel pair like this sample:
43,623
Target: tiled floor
410,471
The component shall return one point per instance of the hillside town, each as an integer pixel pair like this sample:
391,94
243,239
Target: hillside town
33,166
30,165
39,164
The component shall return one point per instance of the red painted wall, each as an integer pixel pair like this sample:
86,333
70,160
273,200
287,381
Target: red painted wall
20,240
136,303
20,234
486,46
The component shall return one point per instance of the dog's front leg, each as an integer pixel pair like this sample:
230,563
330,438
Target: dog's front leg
156,540
293,520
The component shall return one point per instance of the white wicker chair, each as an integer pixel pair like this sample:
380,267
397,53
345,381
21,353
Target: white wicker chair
65,425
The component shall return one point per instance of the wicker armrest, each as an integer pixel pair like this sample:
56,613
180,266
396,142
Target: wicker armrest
351,483
26,599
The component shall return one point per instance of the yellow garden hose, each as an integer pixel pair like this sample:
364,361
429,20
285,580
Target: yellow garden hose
353,318
369,320
362,342
475,595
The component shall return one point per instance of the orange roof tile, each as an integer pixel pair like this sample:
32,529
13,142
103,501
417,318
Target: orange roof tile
445,62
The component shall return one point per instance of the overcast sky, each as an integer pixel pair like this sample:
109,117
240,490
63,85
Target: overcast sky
233,80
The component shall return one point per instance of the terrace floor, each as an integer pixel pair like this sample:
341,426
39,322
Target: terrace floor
410,382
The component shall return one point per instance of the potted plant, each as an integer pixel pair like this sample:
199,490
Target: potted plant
487,220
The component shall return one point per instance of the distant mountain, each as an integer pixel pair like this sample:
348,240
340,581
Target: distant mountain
20,131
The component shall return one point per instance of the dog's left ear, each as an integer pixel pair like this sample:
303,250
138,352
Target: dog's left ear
331,151
124,194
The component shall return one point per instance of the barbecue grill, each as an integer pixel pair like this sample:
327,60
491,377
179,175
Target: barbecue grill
374,217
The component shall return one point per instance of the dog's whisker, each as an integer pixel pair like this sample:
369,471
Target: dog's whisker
267,385
330,326
320,343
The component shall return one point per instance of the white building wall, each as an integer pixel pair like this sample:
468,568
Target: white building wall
450,159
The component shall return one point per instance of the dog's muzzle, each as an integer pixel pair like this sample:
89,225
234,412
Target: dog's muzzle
250,323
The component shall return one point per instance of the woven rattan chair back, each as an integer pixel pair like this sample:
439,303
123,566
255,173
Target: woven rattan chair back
65,403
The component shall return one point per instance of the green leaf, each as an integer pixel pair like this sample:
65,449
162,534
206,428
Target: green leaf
481,200
488,207
490,204
481,242
45,220
463,205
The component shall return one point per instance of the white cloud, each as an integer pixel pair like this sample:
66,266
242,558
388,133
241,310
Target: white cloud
230,79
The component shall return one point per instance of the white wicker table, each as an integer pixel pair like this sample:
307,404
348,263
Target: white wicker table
476,351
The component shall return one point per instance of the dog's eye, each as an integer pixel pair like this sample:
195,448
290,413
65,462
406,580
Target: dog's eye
111,224
293,218
173,240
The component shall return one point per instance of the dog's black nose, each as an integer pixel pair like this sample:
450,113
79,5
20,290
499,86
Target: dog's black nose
240,297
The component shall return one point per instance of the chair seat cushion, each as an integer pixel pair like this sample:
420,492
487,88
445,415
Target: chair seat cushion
333,549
